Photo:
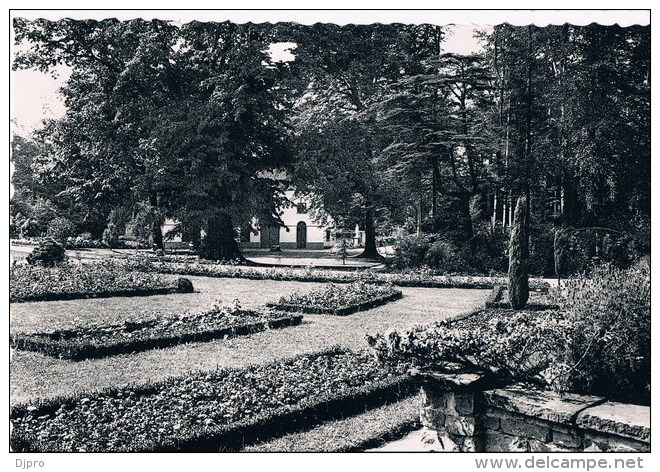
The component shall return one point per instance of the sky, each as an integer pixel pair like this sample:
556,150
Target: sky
34,95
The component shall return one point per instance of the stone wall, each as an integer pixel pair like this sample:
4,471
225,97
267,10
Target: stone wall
464,412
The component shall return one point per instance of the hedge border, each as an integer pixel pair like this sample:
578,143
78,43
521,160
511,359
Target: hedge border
233,437
141,292
70,349
401,282
495,300
340,311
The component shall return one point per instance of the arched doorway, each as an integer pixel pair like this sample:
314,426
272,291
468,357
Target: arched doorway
301,235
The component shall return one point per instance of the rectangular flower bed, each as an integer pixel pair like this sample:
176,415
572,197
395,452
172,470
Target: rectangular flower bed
157,332
212,411
87,280
339,300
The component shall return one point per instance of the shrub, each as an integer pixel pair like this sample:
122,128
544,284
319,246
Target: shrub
521,346
48,253
411,251
611,349
443,256
60,229
519,257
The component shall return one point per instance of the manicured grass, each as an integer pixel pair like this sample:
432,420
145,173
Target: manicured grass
370,429
34,375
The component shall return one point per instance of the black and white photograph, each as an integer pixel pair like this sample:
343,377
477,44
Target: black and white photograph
330,231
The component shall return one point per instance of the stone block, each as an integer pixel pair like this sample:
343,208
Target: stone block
432,397
499,442
472,444
571,439
619,419
490,421
538,446
598,442
461,425
433,418
460,403
525,427
541,404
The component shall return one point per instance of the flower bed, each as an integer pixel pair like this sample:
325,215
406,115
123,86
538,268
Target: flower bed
157,332
411,279
89,280
339,300
212,411
538,299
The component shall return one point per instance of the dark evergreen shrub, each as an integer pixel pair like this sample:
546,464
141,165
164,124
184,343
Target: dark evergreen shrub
48,253
184,285
519,258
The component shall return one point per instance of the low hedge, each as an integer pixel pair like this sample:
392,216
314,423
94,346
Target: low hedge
339,299
412,279
160,332
538,300
212,411
339,311
28,283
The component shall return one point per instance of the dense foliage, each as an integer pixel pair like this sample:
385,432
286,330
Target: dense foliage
155,332
611,311
213,406
81,280
197,122
597,343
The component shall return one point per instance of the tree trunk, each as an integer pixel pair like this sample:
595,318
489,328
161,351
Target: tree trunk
519,257
464,202
156,224
219,244
370,249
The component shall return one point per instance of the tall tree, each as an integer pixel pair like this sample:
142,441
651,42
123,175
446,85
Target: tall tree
186,118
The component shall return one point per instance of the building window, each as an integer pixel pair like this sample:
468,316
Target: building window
301,207
328,235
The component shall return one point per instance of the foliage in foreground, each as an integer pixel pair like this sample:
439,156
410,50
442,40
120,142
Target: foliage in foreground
156,332
611,310
34,282
597,343
340,299
201,410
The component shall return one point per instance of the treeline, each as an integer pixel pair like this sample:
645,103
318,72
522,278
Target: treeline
377,122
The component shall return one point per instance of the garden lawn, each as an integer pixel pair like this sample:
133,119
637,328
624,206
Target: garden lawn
370,429
34,375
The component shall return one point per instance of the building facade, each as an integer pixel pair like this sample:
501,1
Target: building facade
300,230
